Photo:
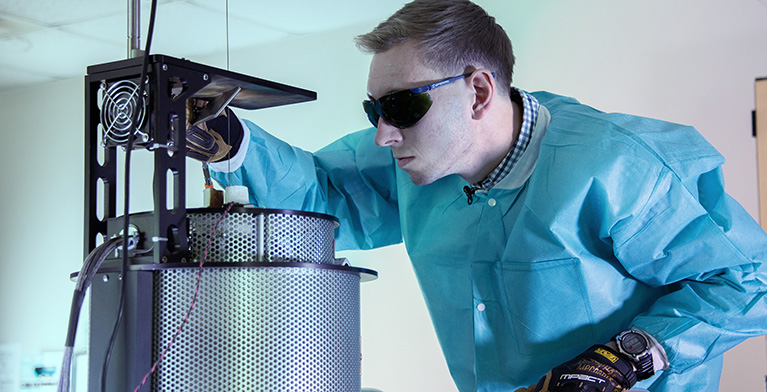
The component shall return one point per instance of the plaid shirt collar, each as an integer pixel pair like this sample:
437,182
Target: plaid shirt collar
530,108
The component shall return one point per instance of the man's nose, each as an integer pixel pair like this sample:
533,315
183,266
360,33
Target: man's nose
387,135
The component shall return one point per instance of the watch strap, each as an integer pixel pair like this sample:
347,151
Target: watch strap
644,366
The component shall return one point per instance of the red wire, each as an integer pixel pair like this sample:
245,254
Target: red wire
191,306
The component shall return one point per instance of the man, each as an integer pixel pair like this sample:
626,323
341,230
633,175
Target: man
549,239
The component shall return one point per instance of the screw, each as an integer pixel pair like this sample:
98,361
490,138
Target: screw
165,67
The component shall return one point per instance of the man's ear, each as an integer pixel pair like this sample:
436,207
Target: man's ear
483,84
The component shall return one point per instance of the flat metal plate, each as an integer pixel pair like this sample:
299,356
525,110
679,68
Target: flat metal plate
255,93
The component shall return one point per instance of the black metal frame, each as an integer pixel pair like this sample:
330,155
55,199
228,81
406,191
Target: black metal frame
171,81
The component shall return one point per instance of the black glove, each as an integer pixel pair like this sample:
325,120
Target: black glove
216,139
599,369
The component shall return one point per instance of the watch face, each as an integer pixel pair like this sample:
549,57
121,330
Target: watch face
633,343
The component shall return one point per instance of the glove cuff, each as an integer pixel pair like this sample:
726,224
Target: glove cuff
230,129
609,357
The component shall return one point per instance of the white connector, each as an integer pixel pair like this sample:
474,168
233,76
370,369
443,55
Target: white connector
237,194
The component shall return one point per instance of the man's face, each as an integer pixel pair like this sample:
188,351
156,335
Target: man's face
439,144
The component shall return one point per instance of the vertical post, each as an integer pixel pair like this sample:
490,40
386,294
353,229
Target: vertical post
134,29
760,128
169,119
95,172
761,147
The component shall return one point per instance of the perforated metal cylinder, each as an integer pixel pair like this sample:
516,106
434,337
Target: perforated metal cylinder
258,329
262,235
280,315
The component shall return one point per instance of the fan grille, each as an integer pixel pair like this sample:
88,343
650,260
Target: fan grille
118,106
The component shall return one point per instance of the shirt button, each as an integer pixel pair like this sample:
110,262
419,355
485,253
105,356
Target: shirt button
491,202
481,307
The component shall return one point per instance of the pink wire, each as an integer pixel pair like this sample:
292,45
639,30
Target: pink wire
191,306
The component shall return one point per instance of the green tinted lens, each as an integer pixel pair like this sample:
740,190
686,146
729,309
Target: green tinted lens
404,108
373,110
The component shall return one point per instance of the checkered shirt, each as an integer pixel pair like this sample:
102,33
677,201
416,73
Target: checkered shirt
529,116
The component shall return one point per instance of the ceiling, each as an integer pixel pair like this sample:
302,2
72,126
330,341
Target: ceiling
48,40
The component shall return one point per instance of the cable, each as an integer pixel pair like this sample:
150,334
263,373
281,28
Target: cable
90,266
191,306
126,214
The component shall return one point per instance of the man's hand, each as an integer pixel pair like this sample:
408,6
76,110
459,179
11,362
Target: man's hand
599,369
212,140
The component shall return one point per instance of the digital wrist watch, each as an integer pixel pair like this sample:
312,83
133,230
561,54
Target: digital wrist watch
635,346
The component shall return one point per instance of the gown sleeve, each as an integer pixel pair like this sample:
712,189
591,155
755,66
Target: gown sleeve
671,225
706,250
351,179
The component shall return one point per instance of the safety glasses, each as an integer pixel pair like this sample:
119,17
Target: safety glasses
404,108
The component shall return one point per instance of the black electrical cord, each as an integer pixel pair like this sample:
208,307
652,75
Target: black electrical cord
126,209
91,264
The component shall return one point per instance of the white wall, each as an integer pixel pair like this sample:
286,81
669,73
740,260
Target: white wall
688,61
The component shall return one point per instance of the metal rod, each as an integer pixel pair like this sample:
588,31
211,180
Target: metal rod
134,29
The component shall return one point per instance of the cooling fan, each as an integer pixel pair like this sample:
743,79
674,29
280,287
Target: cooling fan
119,104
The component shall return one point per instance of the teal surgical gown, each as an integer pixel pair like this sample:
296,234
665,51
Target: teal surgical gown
607,221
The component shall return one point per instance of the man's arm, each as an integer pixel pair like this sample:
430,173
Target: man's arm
691,239
351,179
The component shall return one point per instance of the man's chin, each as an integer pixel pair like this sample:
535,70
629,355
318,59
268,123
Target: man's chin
420,179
